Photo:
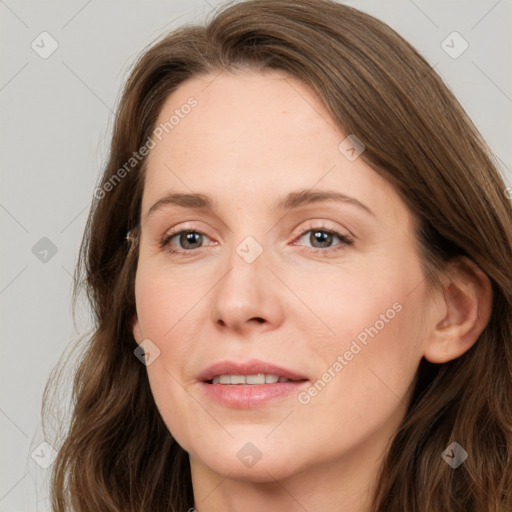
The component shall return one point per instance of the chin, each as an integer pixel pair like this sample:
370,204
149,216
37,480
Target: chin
267,469
256,461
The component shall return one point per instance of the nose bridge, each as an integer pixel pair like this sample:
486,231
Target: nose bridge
248,276
249,243
250,249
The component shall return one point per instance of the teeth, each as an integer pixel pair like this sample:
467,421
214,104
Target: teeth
260,378
237,379
253,379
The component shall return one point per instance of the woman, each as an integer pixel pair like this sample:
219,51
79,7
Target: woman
298,259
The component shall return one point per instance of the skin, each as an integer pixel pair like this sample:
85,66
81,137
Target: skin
253,138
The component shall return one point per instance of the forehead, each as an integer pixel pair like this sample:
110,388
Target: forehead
251,134
247,109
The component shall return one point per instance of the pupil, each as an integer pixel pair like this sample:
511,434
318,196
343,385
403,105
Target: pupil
189,237
321,236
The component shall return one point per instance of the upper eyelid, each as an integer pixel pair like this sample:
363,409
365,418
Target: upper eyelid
312,224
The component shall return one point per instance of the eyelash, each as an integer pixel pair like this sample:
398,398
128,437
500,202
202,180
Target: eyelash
344,239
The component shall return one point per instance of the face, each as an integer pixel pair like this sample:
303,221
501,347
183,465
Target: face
326,292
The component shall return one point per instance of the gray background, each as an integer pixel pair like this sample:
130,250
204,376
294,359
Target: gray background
56,119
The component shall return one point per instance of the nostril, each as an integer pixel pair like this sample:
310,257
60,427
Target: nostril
259,319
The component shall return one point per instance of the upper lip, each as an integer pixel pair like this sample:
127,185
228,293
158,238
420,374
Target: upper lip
252,367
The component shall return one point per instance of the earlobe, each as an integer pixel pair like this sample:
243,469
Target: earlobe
468,305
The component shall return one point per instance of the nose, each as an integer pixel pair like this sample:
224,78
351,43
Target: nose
248,296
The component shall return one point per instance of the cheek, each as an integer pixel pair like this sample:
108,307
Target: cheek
361,305
164,297
365,377
376,332
166,317
179,411
370,366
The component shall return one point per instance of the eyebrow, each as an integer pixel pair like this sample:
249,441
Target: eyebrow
291,201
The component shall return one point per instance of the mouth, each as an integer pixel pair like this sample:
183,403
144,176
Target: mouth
248,385
250,380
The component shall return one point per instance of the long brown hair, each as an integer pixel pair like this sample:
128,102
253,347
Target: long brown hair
117,454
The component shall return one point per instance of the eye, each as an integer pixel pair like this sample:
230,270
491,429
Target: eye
187,239
321,239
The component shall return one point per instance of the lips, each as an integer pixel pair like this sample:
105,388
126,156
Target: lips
284,384
253,367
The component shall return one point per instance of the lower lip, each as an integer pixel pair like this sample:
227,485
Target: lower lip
240,396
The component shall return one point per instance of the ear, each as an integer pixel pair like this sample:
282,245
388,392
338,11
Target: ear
136,330
465,312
